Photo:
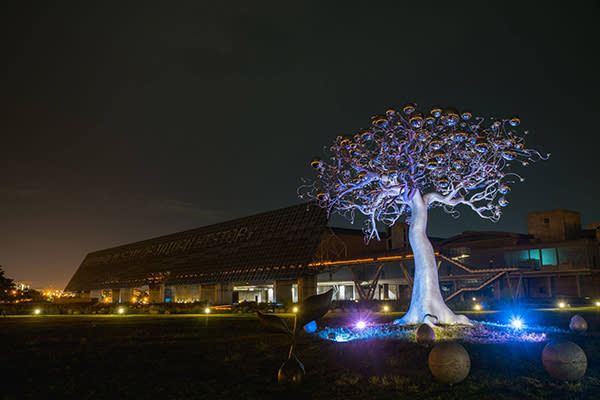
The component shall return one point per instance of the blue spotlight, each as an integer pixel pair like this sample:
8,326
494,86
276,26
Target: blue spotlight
517,323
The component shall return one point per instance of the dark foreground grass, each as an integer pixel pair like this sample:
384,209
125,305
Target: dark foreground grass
230,357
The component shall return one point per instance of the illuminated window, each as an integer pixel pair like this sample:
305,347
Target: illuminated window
534,254
294,293
523,258
520,258
548,256
571,255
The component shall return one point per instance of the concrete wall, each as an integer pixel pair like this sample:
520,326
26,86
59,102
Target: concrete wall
591,286
186,293
564,286
96,294
307,286
398,236
554,225
208,293
219,293
224,293
125,295
157,293
282,290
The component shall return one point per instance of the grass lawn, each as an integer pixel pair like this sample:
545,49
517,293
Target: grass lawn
230,357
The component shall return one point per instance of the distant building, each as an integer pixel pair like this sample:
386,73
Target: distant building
556,259
22,286
288,254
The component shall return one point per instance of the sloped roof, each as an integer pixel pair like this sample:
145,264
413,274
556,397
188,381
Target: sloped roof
273,245
485,239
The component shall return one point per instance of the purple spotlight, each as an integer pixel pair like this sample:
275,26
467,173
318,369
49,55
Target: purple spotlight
361,324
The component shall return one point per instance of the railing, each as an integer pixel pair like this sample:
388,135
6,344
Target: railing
498,273
474,289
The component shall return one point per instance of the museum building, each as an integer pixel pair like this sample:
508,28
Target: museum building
288,254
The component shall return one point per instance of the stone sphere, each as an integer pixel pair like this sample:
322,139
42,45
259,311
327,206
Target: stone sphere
578,324
564,361
291,372
449,362
425,335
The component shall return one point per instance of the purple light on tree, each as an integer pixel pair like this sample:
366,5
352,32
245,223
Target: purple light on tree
408,162
361,324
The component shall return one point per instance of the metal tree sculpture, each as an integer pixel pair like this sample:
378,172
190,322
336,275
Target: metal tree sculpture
407,162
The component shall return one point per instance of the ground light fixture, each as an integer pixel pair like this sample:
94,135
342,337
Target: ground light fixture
386,308
562,304
516,322
598,304
37,311
207,310
477,307
121,310
295,309
361,324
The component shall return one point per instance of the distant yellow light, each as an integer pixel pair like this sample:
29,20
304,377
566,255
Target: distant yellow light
134,299
207,310
562,305
146,300
386,308
121,310
295,309
477,307
37,311
474,298
107,299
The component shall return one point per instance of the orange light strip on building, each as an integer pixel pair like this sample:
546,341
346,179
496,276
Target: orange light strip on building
363,260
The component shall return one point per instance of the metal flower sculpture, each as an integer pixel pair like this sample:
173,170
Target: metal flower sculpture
407,162
312,308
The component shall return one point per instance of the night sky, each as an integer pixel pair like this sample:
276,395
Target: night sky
124,122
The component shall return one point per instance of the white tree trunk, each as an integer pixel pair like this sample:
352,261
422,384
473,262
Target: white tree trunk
426,303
